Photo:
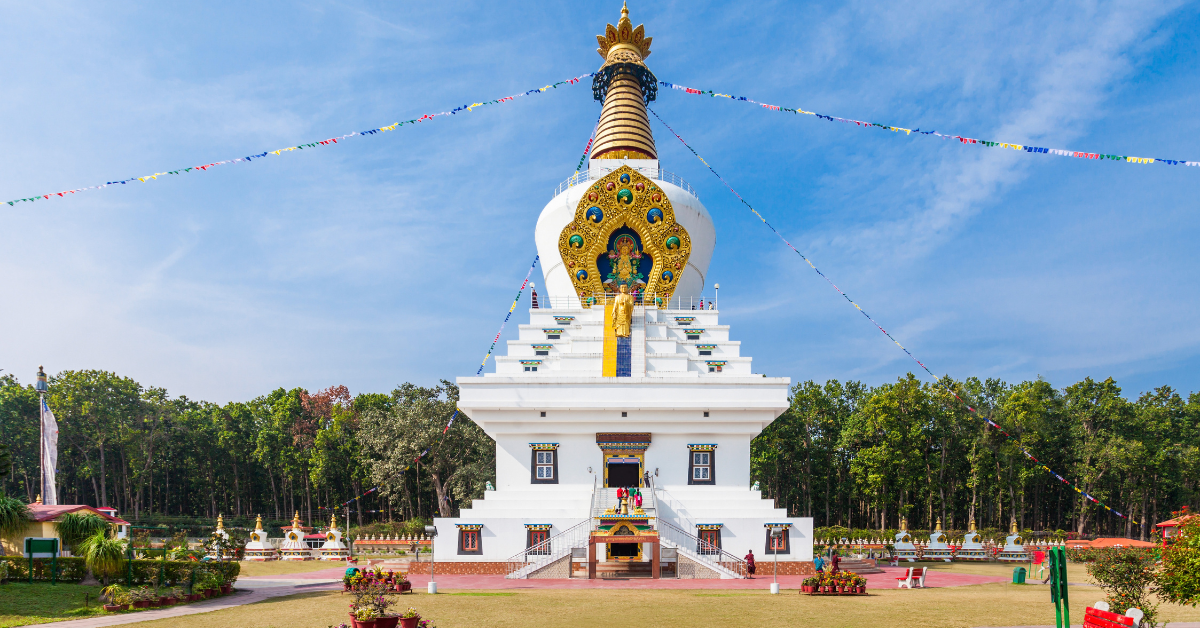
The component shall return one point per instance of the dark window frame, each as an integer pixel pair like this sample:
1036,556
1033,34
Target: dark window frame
529,541
716,534
786,542
712,466
533,465
463,535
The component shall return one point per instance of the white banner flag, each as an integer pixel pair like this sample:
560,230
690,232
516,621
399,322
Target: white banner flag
49,455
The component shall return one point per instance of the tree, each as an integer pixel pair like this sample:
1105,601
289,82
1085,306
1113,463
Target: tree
93,408
459,460
1178,579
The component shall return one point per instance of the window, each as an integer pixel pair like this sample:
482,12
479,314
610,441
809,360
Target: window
712,368
693,336
701,467
710,542
624,414
543,468
469,541
536,537
545,465
543,414
705,352
540,352
706,414
778,545
530,368
553,336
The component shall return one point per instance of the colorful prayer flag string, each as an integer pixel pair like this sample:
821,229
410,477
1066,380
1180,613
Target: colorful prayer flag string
327,142
937,379
965,140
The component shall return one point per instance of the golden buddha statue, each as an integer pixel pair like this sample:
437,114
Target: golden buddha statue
622,313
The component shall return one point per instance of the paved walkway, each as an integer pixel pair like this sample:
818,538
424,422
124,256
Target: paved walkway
242,596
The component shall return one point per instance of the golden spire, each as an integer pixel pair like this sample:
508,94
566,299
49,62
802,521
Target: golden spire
971,526
333,522
1013,527
939,524
258,523
625,85
220,522
296,520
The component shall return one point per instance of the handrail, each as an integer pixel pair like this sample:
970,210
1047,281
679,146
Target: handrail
704,551
548,551
583,176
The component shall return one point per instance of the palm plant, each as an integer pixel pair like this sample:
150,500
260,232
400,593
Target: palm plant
14,516
103,554
73,528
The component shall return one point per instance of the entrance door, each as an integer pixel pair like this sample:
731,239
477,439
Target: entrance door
624,474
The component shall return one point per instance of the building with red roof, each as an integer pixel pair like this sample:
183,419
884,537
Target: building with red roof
43,520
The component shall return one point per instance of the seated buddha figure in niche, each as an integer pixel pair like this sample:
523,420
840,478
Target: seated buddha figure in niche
624,259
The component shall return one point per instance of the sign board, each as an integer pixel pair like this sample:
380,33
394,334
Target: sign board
41,547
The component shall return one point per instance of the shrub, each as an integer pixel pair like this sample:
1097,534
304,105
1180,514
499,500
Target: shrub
1178,580
74,527
14,515
103,554
1127,576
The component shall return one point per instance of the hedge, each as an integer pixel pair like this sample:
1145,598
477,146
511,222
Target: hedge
175,572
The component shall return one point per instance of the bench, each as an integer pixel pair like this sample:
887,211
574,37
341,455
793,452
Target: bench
1100,617
912,576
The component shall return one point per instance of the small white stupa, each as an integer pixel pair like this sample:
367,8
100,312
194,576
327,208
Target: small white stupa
1014,547
937,548
259,548
905,549
972,548
294,547
214,548
334,548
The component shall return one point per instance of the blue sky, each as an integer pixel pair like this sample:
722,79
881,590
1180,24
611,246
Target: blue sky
393,258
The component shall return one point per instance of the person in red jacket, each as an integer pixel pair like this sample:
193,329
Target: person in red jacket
750,563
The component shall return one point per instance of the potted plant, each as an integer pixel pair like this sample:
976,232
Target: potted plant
409,618
365,616
402,583
115,595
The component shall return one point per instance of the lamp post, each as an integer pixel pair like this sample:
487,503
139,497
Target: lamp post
776,535
431,531
42,387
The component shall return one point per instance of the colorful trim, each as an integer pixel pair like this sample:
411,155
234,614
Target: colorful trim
469,526
693,331
543,446
716,362
623,446
777,525
709,526
531,362
552,331
685,320
542,347
706,347
703,447
564,320
538,526
623,460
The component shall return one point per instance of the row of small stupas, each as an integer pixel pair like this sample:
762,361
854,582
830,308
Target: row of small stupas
294,546
971,548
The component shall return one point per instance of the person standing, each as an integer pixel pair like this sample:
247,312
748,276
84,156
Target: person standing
834,560
818,563
750,563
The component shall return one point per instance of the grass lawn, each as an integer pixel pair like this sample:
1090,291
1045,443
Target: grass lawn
979,605
284,567
22,603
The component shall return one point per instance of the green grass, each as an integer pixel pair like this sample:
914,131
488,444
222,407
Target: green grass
22,603
285,567
997,604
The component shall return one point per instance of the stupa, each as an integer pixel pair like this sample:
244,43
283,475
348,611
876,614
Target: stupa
904,548
937,549
972,548
259,548
333,548
214,547
294,547
624,377
1014,547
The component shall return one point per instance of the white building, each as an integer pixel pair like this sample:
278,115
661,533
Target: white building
577,412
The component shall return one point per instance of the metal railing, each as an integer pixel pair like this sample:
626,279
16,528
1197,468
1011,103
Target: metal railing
584,176
646,299
701,551
554,548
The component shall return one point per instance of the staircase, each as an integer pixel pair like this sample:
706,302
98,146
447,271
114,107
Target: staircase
547,552
605,498
689,546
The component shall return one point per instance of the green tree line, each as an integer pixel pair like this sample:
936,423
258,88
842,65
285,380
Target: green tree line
135,448
854,456
846,454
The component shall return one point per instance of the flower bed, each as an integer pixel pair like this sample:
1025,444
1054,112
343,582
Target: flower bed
840,583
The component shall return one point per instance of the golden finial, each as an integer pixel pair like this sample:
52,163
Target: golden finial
258,523
333,521
971,525
904,523
625,10
1013,528
39,499
939,524
220,522
624,37
296,520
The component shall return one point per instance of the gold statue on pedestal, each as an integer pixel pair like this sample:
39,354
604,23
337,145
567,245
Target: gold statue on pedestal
622,313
